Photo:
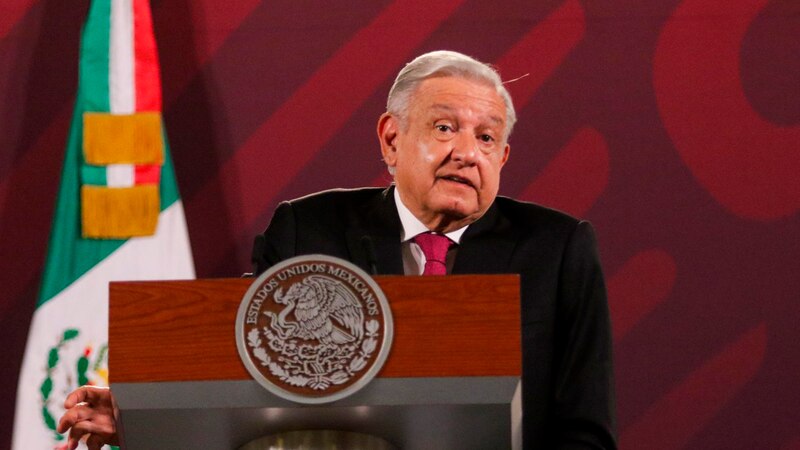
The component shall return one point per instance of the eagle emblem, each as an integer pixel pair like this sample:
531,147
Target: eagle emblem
323,309
314,329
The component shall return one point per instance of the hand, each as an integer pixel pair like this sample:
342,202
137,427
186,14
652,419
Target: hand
92,412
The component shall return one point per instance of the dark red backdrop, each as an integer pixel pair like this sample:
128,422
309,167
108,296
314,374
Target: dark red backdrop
674,126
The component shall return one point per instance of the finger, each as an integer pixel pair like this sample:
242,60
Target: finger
94,395
75,397
95,442
84,394
98,394
90,434
79,412
74,439
99,424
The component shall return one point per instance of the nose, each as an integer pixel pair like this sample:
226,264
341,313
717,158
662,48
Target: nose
465,148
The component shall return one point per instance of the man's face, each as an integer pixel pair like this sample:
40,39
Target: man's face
448,152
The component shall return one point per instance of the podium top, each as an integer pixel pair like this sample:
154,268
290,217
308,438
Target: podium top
463,325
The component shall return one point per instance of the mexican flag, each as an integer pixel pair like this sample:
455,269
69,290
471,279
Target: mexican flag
118,216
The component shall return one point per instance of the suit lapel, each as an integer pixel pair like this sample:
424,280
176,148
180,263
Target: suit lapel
487,245
377,240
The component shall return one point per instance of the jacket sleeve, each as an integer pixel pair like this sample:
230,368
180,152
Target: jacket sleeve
584,382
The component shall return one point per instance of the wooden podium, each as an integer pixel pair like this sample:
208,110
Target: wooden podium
451,379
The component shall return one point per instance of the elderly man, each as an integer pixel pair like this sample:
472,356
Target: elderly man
444,137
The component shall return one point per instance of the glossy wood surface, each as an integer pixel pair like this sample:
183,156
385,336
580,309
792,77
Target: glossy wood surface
461,325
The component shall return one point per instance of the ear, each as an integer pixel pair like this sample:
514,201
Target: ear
506,152
388,126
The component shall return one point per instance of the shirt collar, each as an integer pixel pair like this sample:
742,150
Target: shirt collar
412,226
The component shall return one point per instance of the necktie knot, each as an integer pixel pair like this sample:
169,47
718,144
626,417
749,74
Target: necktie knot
434,247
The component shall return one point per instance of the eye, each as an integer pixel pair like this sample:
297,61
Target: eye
443,127
486,138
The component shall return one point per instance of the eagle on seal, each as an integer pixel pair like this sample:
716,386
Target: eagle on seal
324,310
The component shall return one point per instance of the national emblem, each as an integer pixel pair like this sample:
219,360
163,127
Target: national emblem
314,329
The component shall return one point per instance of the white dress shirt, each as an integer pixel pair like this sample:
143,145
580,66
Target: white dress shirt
413,258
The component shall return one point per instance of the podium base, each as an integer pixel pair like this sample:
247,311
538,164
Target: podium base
464,413
318,440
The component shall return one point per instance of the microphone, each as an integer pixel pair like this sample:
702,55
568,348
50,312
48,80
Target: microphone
369,249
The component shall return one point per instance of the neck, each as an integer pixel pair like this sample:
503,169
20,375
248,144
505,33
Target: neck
444,224
437,222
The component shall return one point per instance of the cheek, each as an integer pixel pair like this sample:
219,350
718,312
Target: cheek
420,158
427,154
490,177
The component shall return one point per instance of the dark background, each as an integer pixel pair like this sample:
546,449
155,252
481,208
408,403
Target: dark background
674,126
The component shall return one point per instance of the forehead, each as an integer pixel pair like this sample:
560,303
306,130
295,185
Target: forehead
459,96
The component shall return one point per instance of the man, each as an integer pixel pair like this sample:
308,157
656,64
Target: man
444,137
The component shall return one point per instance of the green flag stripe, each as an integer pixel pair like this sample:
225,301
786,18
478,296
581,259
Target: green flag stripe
93,175
168,186
93,66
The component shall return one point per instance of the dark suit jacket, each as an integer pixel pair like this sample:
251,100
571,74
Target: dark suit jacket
567,382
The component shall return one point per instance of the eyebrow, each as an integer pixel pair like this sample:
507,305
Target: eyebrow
441,106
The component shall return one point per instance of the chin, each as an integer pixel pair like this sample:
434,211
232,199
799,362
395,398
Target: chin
458,210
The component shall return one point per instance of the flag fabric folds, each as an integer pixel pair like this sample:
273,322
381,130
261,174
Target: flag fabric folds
118,216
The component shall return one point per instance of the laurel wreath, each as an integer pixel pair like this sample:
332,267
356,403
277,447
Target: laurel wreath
82,366
46,387
368,346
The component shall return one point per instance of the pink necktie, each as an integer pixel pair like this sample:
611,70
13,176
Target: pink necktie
434,246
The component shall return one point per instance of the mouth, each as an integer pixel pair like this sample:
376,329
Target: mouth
458,179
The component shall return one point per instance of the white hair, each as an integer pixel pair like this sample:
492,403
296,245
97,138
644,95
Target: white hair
444,63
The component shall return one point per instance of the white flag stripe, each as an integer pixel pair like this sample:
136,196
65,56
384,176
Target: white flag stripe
84,305
121,77
120,175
